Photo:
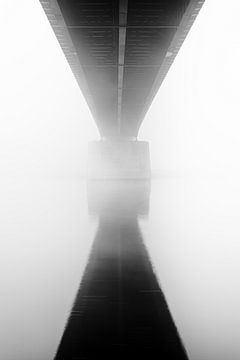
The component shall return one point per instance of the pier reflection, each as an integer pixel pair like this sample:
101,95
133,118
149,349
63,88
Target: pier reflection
119,311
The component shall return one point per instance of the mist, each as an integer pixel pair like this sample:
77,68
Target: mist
45,121
189,230
193,123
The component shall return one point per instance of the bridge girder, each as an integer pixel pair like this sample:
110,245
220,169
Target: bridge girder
120,52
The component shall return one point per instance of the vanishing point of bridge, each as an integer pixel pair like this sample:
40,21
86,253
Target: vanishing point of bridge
120,52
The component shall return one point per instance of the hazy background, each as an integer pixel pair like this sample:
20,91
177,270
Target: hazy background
192,234
45,122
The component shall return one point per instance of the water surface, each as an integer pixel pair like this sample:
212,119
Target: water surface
120,268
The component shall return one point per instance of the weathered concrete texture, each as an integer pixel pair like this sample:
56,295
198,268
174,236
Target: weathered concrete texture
121,159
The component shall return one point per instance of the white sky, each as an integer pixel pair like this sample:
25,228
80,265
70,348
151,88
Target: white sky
45,123
194,122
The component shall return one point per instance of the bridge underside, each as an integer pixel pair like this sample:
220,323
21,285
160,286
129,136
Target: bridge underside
120,52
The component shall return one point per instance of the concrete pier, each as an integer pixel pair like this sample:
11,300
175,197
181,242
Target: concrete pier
118,159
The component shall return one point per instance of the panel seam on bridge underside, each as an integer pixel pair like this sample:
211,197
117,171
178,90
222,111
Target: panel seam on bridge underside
123,9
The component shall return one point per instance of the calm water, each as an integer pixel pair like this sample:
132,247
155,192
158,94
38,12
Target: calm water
119,270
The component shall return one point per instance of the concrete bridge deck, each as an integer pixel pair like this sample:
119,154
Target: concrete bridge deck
120,52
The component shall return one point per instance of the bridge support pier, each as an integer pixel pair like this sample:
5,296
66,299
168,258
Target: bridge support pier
118,159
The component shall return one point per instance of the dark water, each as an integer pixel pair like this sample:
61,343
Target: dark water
120,270
120,311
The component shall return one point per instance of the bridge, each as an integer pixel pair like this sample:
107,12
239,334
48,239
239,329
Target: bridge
120,52
120,311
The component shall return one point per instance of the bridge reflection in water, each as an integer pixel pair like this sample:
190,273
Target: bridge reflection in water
119,311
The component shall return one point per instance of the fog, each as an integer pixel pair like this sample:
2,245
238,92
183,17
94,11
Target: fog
45,122
193,123
187,222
